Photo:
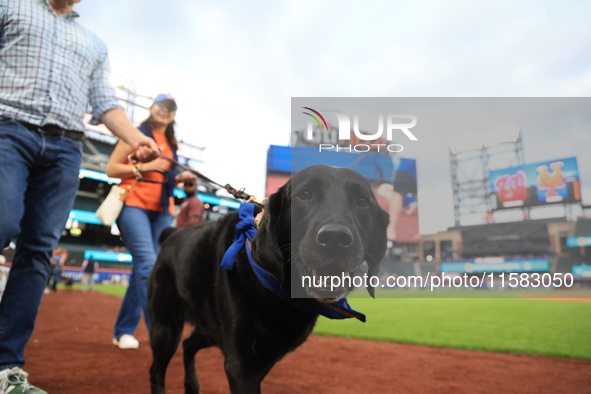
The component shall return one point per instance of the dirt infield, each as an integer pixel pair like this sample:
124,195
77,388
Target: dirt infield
70,352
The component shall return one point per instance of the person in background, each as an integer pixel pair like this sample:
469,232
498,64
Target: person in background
147,211
53,275
53,261
57,269
89,267
51,70
192,209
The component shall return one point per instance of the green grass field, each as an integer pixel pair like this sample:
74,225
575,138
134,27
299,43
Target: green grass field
511,325
117,291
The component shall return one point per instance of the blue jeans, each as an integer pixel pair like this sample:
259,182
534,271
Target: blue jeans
38,183
140,230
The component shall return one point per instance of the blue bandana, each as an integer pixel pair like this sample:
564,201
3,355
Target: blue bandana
245,231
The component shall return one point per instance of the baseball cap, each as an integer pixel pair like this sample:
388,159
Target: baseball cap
167,100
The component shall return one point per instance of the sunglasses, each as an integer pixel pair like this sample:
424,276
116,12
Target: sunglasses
170,107
188,184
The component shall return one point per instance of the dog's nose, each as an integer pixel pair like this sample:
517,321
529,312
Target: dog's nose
334,235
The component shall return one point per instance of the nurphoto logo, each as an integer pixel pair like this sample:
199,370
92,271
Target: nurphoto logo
335,139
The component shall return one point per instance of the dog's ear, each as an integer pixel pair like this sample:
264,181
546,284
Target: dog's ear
377,245
166,233
273,232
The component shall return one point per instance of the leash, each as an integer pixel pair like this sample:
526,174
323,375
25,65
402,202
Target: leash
236,193
138,174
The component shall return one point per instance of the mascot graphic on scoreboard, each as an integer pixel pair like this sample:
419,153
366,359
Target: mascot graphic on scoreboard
512,187
551,182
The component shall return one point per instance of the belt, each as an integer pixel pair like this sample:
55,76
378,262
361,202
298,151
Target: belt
55,130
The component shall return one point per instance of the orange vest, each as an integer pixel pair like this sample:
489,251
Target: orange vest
146,195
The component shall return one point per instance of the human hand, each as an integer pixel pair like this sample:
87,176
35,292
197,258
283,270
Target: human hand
385,189
145,149
186,177
157,164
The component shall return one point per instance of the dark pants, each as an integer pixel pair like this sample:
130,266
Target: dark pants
56,277
38,183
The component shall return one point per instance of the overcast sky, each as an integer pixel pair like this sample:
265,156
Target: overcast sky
234,67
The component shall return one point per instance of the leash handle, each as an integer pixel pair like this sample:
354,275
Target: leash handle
138,174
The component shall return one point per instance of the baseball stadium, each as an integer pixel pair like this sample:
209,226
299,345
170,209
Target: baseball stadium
509,333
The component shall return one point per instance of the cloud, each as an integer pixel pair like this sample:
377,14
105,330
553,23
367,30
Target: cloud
235,66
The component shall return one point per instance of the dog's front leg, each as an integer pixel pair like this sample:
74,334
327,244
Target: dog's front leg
245,373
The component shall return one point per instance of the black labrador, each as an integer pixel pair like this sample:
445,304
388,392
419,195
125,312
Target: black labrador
324,220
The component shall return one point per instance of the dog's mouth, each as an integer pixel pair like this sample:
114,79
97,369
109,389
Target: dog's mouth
324,269
326,284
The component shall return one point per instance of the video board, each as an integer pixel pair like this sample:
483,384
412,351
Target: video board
548,182
393,179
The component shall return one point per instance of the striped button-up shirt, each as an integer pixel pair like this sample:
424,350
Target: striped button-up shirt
51,68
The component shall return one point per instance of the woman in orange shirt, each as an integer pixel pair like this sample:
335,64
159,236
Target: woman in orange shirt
147,211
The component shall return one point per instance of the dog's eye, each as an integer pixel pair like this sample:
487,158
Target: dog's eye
362,203
304,195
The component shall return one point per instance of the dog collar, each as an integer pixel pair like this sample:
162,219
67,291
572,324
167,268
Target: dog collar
245,232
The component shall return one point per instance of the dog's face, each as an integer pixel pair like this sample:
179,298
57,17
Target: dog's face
334,224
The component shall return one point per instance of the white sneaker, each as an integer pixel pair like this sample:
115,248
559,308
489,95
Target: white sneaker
126,342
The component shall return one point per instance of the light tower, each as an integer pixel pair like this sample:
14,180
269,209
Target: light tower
127,93
472,156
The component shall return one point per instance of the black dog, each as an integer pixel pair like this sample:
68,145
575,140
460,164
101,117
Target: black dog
325,221
68,282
